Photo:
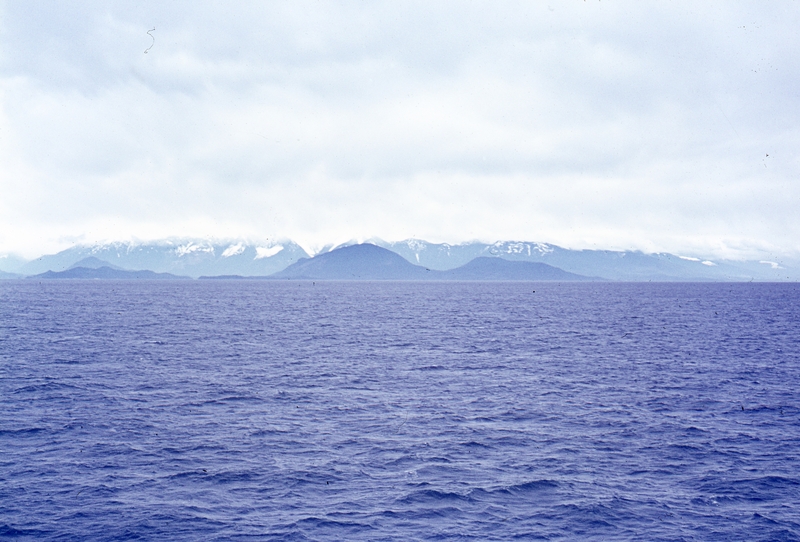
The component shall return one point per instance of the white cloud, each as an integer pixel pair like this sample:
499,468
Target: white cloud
596,124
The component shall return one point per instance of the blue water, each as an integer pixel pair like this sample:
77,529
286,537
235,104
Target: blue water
204,410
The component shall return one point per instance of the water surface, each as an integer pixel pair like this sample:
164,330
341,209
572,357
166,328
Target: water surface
399,411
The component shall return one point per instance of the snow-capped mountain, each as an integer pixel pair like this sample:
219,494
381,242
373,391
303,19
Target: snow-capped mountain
192,257
198,257
446,256
609,264
370,262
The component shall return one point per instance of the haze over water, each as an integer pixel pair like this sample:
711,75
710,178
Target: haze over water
399,411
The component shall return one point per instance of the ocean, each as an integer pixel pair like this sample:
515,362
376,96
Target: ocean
267,410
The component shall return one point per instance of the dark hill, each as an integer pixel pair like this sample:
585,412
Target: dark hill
370,262
484,268
104,273
355,262
94,263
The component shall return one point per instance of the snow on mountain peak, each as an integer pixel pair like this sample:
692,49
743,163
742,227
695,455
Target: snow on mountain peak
517,247
191,248
266,252
233,250
542,248
416,245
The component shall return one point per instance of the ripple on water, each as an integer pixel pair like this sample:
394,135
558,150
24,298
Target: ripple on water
399,411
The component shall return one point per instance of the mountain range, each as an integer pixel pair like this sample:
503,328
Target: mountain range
105,272
370,262
612,265
469,261
190,257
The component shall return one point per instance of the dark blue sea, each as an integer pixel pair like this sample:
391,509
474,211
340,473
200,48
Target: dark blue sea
250,410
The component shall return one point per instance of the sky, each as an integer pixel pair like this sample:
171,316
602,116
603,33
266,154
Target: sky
654,126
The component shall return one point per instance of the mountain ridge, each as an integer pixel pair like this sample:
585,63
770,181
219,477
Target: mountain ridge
94,263
354,262
192,257
608,264
496,268
366,261
105,273
203,257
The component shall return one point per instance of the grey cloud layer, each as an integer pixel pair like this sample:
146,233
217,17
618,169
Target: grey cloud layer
583,123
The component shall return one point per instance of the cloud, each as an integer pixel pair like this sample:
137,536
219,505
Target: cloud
588,124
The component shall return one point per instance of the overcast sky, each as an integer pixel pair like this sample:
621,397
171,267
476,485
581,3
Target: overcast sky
660,126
